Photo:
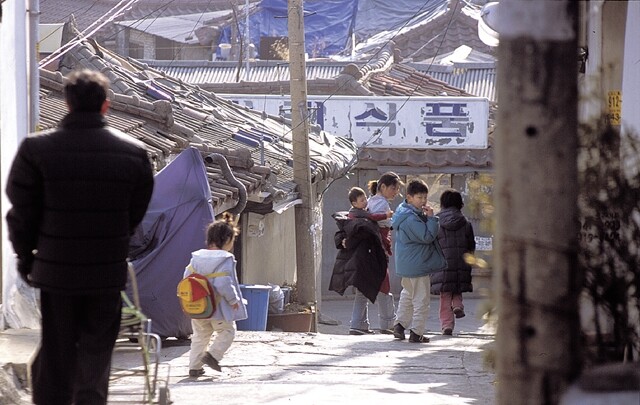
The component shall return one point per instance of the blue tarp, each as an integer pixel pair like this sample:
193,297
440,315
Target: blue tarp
328,24
172,228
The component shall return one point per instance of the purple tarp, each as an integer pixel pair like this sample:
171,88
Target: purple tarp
172,228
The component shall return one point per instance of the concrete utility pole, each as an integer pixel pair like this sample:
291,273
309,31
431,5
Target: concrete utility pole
537,187
305,250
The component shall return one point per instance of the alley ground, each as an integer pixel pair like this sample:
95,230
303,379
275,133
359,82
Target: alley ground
334,367
328,367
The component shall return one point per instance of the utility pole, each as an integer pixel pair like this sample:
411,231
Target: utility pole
537,187
305,250
34,71
247,41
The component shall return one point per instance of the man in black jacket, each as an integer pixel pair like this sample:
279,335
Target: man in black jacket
77,194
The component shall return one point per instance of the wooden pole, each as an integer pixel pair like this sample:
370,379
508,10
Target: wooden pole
536,205
305,252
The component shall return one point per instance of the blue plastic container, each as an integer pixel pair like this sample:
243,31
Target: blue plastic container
257,297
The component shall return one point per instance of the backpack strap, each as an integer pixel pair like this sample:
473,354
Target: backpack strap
210,275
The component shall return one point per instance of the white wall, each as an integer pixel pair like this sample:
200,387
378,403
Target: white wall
271,257
18,300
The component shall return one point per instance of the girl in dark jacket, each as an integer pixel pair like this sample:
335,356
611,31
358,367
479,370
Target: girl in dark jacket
456,239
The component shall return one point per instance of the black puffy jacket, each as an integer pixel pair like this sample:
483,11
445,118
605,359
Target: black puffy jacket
456,238
78,192
362,263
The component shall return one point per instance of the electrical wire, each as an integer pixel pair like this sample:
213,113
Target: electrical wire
73,13
382,47
83,35
378,131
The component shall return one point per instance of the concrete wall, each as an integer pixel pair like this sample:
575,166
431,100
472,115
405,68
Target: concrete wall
146,40
194,52
268,248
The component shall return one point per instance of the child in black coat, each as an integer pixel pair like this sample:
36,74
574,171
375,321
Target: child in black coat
456,239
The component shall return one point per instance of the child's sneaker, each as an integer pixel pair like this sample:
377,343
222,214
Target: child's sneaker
415,338
208,359
355,331
458,312
398,331
196,373
447,331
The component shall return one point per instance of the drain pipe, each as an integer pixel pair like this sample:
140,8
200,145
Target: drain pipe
221,161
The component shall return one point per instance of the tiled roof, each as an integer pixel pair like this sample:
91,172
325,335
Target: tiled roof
440,31
402,80
169,115
421,160
379,77
84,12
477,79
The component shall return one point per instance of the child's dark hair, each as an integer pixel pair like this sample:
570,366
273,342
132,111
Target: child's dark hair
354,193
416,187
451,198
222,231
388,179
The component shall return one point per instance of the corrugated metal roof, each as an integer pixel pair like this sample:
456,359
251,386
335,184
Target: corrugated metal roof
201,72
451,24
179,29
477,79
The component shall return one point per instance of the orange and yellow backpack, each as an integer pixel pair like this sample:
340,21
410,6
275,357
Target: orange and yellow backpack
196,295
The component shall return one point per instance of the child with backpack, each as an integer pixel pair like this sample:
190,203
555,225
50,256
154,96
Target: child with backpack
218,263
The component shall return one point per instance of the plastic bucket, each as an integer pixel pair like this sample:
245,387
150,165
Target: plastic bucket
257,297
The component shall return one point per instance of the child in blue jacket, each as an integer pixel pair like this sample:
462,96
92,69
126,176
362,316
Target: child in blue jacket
417,255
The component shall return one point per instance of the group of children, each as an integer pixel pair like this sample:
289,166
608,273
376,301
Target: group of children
429,254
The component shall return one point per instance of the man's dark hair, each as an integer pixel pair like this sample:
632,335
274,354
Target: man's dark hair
451,198
86,90
416,187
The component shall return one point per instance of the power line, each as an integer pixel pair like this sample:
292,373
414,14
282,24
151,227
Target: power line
83,35
378,131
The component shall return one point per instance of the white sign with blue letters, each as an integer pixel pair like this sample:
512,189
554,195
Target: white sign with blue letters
390,122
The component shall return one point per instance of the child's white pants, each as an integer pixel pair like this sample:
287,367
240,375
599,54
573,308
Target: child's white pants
413,306
203,329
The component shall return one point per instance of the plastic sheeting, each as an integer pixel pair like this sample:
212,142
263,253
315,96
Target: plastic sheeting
327,24
173,227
